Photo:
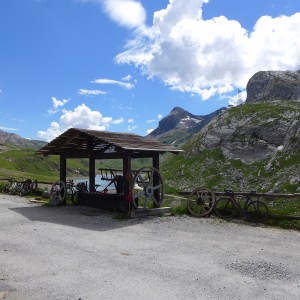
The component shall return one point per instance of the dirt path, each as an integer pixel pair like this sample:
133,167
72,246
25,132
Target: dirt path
81,253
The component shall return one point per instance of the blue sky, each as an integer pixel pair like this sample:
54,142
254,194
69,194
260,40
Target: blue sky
122,65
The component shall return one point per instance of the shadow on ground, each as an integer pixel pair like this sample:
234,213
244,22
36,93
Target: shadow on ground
77,216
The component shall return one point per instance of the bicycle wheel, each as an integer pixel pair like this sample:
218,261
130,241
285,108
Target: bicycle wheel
70,193
15,188
201,202
11,183
26,188
225,208
74,198
256,211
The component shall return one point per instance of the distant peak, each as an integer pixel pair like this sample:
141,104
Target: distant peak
177,110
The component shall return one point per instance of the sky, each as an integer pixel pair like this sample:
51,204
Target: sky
123,65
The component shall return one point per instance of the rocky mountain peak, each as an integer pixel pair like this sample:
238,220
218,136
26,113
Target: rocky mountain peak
179,125
274,85
178,110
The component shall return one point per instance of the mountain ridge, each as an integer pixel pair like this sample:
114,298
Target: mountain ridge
14,140
179,125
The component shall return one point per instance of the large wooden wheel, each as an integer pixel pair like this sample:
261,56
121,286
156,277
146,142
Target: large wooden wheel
58,193
147,188
201,202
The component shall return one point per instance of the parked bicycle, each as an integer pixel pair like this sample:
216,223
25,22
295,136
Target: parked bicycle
10,186
21,188
245,206
73,190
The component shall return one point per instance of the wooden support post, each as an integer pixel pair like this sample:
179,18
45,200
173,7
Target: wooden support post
92,174
63,171
127,174
155,161
155,164
63,168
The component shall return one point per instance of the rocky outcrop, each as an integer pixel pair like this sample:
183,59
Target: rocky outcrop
273,85
253,132
249,147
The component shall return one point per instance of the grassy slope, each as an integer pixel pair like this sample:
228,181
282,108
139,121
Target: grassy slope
210,168
24,163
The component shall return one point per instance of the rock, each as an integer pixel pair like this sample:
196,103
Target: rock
273,85
249,134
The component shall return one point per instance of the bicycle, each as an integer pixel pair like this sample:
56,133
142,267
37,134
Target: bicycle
230,206
10,186
73,190
26,187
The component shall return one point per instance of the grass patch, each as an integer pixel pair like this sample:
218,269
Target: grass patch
179,210
284,223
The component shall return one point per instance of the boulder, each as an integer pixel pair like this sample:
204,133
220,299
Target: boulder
273,85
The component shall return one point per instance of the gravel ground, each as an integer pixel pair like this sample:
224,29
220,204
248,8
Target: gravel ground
79,253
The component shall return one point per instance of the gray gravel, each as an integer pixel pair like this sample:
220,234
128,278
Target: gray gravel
82,253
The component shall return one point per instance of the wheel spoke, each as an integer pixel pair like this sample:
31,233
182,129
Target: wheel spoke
201,202
151,178
142,180
146,178
155,200
156,187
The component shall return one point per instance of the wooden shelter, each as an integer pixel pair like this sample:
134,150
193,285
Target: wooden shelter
101,145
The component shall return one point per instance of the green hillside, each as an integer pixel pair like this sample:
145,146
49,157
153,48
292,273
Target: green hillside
24,163
212,164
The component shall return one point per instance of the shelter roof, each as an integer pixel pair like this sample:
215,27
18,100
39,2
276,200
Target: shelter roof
83,141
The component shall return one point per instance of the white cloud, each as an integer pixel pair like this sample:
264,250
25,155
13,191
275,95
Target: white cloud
149,130
237,99
118,121
111,81
130,120
52,132
209,57
91,92
131,128
127,13
56,104
59,103
159,116
150,121
127,78
9,128
81,117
